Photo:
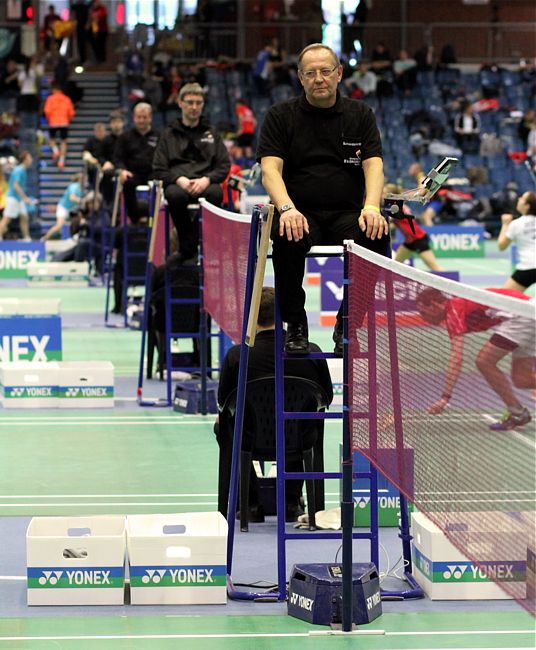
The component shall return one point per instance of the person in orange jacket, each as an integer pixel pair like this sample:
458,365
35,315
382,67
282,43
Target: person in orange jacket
59,111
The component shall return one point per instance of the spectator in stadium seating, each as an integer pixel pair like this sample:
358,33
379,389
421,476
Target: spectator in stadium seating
59,111
80,13
467,129
93,153
528,122
405,69
246,127
9,85
424,57
320,153
362,81
381,63
192,161
261,70
531,141
414,242
48,26
262,364
98,29
28,79
381,58
69,201
16,199
512,334
133,157
522,233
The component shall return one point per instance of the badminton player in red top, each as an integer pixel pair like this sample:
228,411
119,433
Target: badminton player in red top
511,335
414,242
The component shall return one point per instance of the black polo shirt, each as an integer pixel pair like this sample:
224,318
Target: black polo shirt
134,151
322,150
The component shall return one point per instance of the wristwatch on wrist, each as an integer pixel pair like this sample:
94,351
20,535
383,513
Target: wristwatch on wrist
285,207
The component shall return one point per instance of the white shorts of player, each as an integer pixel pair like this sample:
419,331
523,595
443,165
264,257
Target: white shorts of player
518,330
61,212
14,208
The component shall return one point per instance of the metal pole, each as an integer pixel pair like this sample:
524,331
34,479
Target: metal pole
347,503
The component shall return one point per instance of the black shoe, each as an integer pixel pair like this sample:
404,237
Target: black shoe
297,339
337,338
256,514
292,512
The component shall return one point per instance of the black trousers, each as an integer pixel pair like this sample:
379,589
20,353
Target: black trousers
131,199
326,228
188,228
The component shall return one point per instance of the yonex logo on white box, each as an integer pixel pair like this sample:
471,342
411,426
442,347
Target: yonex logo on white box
454,571
87,391
30,391
177,576
154,576
50,577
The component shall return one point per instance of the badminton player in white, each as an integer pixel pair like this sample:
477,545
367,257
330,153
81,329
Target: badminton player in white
522,233
511,335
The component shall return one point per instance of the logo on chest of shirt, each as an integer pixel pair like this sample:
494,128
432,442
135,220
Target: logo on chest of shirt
152,141
351,153
207,137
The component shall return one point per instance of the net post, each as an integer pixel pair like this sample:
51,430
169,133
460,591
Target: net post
204,340
347,503
168,310
279,372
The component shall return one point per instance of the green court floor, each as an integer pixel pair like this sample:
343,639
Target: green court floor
389,632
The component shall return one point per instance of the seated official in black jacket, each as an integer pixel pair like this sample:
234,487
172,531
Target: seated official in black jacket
192,161
262,364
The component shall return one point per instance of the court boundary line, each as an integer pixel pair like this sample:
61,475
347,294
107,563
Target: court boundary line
261,635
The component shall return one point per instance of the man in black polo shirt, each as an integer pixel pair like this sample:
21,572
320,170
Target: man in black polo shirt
133,157
320,154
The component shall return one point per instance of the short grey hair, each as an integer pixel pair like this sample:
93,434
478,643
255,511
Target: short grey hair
318,46
191,89
143,106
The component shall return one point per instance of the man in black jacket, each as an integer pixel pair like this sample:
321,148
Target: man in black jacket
133,157
192,161
262,364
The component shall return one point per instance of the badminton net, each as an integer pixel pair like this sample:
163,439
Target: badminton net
422,354
225,261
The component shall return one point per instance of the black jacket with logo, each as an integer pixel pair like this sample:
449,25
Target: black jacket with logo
191,152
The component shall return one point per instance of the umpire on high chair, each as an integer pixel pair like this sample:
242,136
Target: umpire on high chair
192,161
321,155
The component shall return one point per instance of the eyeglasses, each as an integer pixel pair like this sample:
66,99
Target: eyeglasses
325,73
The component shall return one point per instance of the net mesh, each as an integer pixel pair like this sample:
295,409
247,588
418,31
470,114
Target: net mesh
225,252
474,482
